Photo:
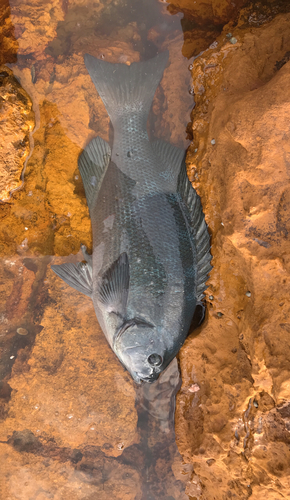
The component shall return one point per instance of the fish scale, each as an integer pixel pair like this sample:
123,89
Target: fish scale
151,247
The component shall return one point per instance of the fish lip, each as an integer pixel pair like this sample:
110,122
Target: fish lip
136,378
149,380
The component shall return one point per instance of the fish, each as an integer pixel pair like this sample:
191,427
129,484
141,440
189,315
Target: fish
151,246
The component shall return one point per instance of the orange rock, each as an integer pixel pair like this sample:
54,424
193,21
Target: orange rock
57,475
17,122
64,395
229,431
8,42
35,24
208,11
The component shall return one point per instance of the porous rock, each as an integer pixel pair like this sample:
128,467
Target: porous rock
16,122
235,429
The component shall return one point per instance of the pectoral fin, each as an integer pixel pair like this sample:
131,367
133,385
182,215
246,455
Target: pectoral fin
78,276
114,286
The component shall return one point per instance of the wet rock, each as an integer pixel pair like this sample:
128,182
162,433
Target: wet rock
8,43
69,422
240,360
24,441
217,12
17,121
35,24
164,103
71,387
27,475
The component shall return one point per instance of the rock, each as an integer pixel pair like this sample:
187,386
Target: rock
8,42
59,476
218,12
17,122
35,24
69,380
231,429
71,426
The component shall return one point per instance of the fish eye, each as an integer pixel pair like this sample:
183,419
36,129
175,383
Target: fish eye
154,359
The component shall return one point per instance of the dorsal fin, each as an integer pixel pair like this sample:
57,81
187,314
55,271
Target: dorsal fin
114,287
78,276
199,229
171,156
93,163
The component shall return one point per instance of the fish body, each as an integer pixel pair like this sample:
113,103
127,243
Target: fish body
150,242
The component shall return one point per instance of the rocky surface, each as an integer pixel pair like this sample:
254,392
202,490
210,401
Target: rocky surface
208,12
232,419
73,425
17,123
68,400
8,42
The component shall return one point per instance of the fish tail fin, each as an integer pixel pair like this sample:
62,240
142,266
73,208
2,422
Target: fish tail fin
123,87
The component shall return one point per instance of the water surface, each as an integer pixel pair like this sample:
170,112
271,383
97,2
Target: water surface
74,424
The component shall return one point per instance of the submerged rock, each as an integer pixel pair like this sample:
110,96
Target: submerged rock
208,12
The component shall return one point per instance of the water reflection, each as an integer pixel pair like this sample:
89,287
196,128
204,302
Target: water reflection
74,425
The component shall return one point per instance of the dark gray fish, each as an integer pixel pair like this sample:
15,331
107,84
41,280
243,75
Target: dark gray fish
151,247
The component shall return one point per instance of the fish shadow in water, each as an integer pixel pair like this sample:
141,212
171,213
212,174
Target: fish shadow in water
199,319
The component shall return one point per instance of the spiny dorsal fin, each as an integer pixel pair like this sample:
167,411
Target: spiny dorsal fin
93,163
114,287
78,276
199,229
171,156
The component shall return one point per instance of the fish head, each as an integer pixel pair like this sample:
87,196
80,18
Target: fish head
141,350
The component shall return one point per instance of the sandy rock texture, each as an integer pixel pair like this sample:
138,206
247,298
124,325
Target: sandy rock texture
17,123
73,424
232,418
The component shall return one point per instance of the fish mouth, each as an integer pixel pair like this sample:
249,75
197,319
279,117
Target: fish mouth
149,380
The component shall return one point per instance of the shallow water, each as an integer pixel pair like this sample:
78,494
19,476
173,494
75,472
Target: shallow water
74,424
